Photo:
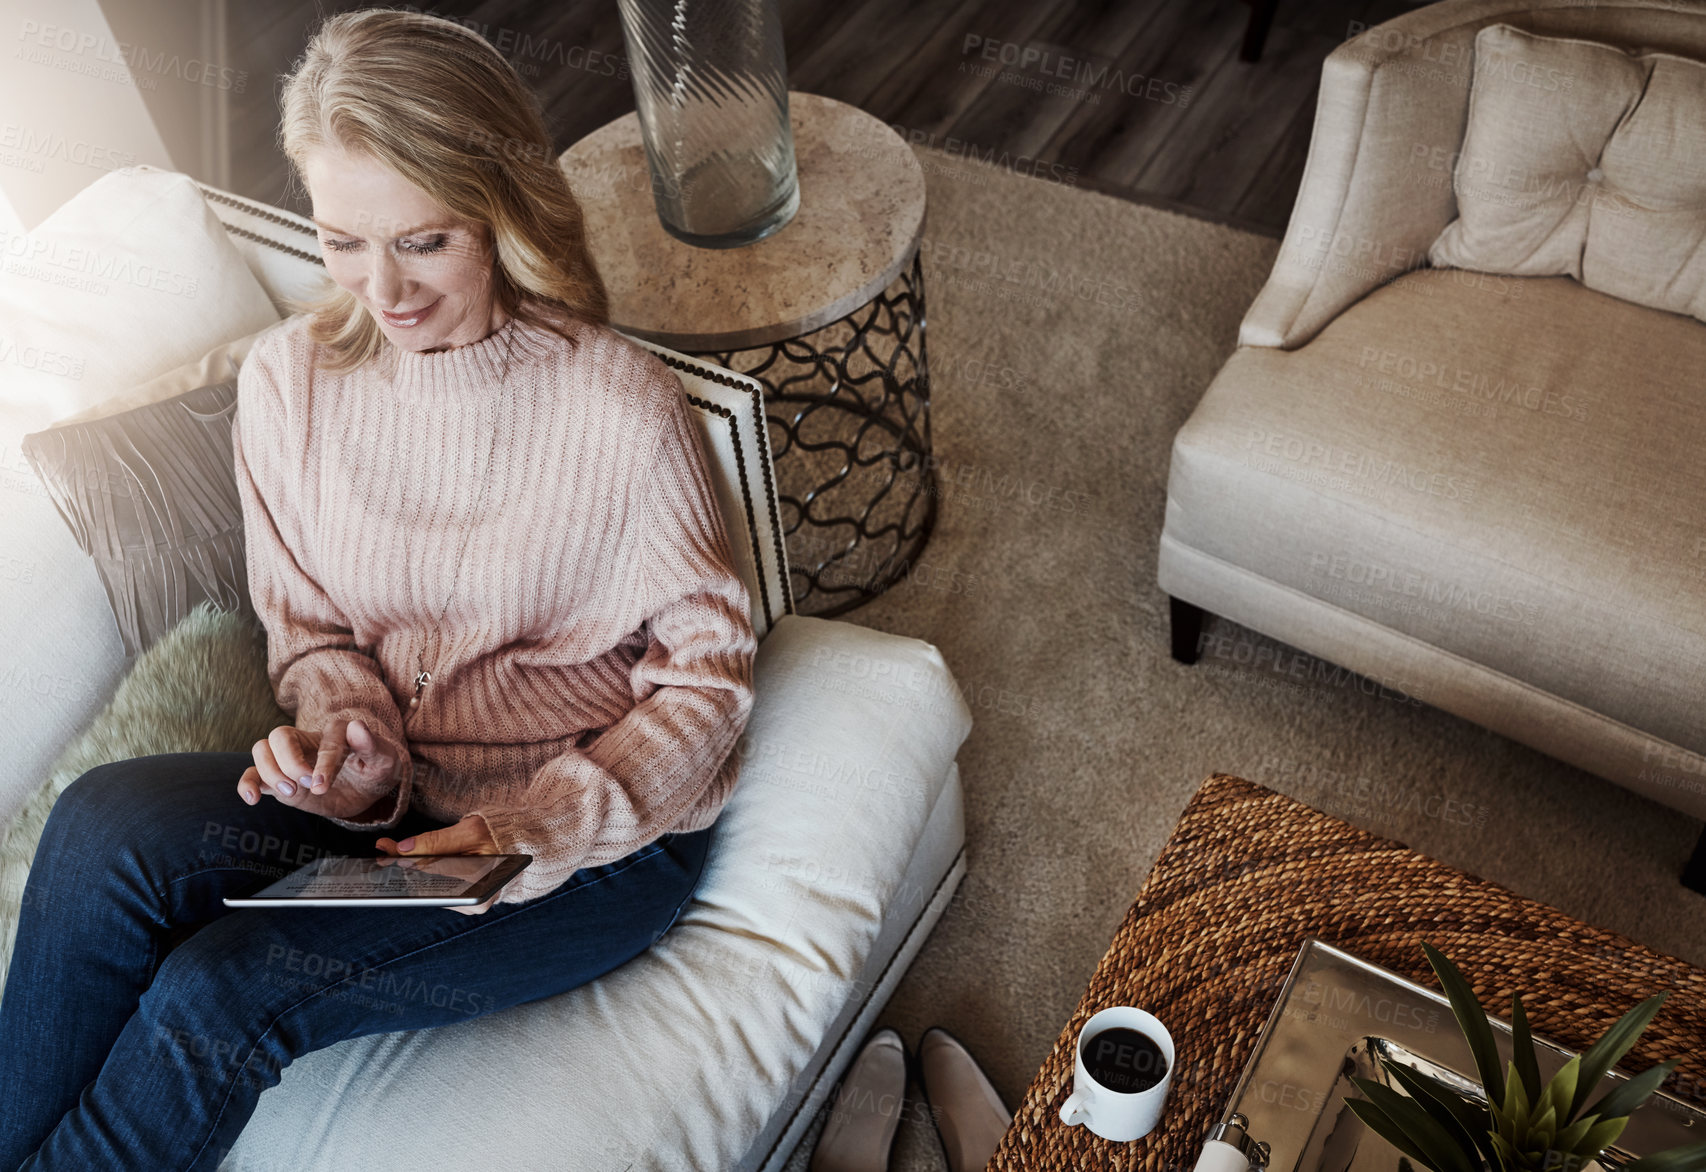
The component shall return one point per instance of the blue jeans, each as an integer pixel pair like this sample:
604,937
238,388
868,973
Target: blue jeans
142,1018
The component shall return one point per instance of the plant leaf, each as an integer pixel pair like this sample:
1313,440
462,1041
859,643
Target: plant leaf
1624,1098
1570,1138
1465,1124
1609,1050
1432,1143
1522,1048
1471,1131
1516,1101
1561,1091
1472,1020
1385,1127
1602,1135
1518,1114
1544,1125
1507,1129
1685,1159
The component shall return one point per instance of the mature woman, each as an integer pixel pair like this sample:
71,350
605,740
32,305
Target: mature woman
499,602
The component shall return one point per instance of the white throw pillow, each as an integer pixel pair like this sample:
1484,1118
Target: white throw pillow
1581,159
132,277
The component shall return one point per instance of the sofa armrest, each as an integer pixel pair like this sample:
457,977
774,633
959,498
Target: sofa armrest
843,714
1376,187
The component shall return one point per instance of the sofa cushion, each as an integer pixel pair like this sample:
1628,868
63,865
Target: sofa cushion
1506,470
678,1058
131,277
1582,160
146,482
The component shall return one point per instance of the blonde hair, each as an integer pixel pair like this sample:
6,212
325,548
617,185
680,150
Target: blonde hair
439,105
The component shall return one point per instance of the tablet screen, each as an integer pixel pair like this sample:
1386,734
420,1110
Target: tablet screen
347,878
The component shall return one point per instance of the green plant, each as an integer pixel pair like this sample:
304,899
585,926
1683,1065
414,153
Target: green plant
1525,1126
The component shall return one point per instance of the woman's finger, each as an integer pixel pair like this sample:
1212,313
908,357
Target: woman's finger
280,786
330,759
286,745
368,758
249,785
258,751
482,832
472,836
468,836
445,841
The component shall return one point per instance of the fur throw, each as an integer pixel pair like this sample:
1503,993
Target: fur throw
201,688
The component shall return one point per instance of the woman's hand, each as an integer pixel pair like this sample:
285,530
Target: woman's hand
469,836
315,773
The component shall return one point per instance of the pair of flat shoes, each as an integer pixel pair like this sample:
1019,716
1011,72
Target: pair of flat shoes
868,1106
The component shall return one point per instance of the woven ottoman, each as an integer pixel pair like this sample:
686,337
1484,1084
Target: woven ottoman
1246,877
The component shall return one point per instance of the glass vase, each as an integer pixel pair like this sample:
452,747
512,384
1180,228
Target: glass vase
711,87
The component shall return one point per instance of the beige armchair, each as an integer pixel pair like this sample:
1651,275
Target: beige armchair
1487,492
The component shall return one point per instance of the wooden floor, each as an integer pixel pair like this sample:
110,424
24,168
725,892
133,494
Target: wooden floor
1168,114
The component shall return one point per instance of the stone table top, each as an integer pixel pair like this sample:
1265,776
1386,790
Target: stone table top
860,219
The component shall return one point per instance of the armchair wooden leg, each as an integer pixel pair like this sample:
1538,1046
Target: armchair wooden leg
1694,874
1187,629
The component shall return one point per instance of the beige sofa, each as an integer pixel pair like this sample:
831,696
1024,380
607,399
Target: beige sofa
1485,491
843,844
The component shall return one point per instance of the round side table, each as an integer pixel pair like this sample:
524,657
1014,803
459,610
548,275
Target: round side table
827,313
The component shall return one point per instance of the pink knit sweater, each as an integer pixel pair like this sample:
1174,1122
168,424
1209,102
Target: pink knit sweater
594,669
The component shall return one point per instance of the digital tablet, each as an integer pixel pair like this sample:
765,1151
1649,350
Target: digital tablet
389,881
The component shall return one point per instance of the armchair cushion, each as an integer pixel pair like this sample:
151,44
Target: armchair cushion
1583,160
1458,463
1389,123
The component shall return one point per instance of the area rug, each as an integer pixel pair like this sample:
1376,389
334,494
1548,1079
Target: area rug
1070,335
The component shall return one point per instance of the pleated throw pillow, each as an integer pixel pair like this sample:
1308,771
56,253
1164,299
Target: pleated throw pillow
145,480
1585,160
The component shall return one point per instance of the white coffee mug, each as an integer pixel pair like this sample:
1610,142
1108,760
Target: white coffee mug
1112,1114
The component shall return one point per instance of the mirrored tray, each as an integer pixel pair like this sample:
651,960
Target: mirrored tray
1334,1016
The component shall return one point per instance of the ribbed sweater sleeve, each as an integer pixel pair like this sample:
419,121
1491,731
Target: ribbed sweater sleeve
693,683
317,671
